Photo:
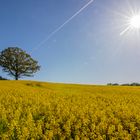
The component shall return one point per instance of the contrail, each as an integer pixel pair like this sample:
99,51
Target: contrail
62,25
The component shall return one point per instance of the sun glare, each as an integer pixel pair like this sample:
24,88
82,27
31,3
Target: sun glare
132,23
135,22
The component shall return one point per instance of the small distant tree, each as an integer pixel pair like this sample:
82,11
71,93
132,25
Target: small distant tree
109,84
113,84
1,78
17,63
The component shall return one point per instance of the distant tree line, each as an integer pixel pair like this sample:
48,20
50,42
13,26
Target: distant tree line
127,84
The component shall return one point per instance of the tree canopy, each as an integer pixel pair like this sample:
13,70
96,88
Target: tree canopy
17,63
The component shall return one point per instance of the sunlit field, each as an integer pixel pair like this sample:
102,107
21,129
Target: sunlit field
34,110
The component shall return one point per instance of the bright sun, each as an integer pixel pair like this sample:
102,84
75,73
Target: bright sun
135,22
132,23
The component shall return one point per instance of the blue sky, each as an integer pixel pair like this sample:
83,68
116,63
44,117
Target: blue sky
89,49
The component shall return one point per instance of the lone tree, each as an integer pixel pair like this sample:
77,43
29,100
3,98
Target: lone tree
17,63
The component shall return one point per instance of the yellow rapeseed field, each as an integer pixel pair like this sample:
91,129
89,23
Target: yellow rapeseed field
41,111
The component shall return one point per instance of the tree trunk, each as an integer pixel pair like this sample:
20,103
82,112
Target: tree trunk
16,77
